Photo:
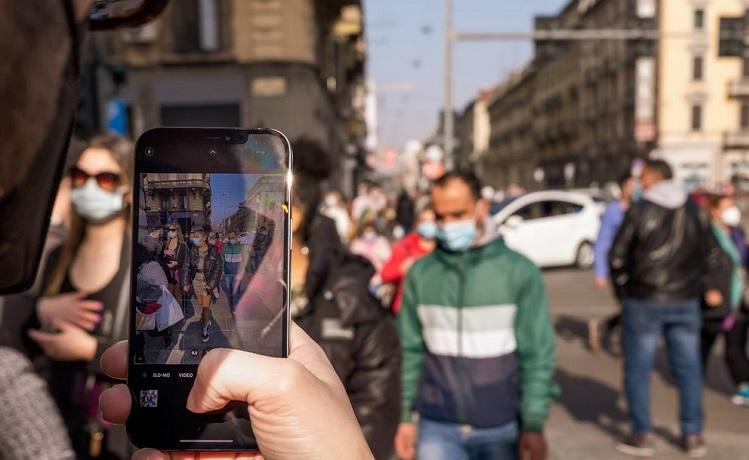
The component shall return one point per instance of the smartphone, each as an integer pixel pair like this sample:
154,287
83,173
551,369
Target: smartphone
210,240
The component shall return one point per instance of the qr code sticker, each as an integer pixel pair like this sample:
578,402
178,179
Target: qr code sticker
149,398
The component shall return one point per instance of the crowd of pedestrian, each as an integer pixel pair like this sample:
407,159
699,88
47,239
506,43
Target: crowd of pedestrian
439,332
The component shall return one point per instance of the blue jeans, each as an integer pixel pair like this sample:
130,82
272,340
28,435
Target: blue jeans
643,323
230,291
451,441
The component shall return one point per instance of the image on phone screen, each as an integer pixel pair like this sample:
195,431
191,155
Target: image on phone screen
210,251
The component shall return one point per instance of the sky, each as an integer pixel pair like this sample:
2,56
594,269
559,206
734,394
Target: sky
227,191
405,56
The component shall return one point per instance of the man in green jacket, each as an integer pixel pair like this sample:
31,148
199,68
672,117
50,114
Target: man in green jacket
478,346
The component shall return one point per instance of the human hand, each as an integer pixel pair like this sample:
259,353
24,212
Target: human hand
186,288
713,298
172,264
532,446
71,308
405,441
299,408
602,282
70,344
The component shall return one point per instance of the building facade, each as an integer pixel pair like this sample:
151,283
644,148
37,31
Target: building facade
582,110
183,199
293,65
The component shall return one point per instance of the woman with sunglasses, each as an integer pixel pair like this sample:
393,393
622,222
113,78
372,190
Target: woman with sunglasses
177,257
93,265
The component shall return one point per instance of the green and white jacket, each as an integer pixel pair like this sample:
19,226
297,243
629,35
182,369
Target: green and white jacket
478,345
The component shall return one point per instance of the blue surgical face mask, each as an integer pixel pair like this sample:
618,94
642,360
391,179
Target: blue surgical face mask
94,204
427,230
458,236
232,241
195,241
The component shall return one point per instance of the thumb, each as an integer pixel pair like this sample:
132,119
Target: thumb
226,375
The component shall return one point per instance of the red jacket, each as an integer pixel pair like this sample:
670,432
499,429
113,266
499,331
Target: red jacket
406,248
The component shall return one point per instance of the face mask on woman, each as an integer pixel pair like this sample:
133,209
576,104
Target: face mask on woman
427,230
95,204
172,234
195,241
731,216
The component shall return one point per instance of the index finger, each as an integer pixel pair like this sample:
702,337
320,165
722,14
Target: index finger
114,360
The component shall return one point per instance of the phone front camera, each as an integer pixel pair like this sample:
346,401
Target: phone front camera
149,151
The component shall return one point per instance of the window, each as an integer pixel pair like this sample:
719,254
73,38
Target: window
744,115
696,117
530,211
560,208
699,19
697,64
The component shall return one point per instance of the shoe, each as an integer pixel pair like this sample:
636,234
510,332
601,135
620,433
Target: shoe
694,445
594,334
204,337
638,445
741,398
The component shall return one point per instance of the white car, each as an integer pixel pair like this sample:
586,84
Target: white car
552,228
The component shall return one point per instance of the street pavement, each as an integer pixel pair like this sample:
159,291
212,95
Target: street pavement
590,415
186,345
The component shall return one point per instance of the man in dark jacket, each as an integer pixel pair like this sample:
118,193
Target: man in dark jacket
661,262
332,303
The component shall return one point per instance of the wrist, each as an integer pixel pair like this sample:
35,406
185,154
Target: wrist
88,350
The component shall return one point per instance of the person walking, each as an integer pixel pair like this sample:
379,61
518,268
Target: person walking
205,273
176,255
662,260
331,302
233,263
334,207
408,250
478,345
729,317
371,245
610,221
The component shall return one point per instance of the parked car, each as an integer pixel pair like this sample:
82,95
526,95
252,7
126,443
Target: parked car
552,228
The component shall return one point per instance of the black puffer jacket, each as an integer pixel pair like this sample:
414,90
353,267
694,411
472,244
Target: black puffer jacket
664,249
360,339
212,267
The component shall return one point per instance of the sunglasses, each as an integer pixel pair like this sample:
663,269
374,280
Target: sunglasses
171,229
108,181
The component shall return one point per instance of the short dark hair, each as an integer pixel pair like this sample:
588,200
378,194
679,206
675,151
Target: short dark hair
661,167
467,177
623,178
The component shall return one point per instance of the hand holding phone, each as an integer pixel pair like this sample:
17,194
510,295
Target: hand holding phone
299,406
204,182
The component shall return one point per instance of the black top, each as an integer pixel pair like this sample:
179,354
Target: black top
68,379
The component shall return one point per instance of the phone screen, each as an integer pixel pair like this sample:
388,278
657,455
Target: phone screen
210,270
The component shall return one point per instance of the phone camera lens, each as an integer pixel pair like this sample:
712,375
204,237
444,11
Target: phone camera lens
149,151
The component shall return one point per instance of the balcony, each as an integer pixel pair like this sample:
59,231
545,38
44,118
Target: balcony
736,139
739,88
175,183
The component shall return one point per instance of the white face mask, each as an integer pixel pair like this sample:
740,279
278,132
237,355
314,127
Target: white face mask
731,216
95,204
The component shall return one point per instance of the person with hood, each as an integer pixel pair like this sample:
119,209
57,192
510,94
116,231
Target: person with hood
663,259
729,317
331,302
478,345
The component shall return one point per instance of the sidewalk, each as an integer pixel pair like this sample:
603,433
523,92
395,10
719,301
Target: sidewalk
590,415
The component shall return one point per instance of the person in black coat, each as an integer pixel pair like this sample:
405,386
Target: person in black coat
332,303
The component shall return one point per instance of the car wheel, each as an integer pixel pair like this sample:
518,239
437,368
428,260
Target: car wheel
585,256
